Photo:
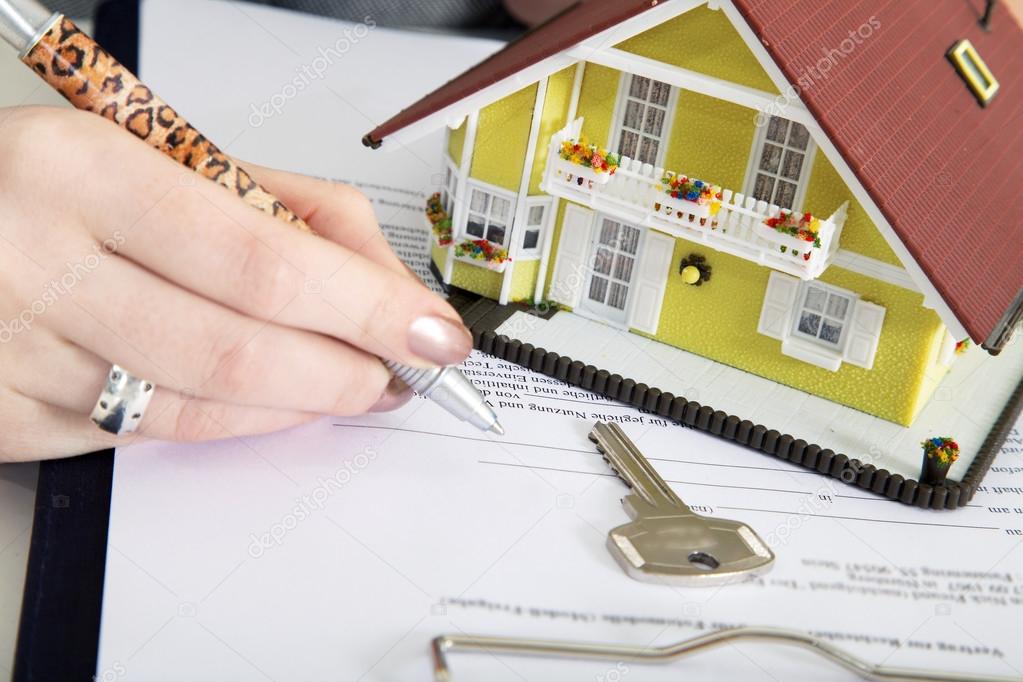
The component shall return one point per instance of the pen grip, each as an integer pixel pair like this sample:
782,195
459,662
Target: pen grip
92,80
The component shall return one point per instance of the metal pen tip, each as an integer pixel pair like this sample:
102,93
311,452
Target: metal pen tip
497,428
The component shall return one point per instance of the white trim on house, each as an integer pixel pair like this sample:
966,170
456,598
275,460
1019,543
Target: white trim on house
932,298
615,34
548,237
459,215
577,87
753,165
517,226
680,77
874,268
614,132
546,202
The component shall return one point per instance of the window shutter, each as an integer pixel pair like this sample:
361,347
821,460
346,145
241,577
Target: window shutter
864,334
779,299
570,267
652,277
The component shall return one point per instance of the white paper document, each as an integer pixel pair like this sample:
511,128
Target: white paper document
337,551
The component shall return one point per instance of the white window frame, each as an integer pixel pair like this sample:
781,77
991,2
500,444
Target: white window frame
532,202
449,186
618,120
753,164
851,297
491,190
785,300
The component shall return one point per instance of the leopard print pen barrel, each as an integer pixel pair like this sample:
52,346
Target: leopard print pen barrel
92,80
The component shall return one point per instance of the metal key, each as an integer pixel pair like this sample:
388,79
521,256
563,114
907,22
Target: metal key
666,542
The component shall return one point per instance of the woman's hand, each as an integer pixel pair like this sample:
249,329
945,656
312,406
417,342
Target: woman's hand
112,253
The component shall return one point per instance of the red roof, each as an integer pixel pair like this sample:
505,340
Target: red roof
946,172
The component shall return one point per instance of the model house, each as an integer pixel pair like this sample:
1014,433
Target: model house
825,194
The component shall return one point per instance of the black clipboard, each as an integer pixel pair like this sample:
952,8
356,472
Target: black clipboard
58,633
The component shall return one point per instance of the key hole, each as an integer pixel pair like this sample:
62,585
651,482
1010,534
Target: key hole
704,561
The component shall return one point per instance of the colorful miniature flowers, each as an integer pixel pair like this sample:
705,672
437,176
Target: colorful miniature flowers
439,220
480,249
961,346
804,227
939,453
690,189
590,156
942,449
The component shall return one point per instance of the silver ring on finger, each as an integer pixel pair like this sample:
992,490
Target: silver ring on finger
123,402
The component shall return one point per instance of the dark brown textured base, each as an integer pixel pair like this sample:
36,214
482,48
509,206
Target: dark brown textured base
483,316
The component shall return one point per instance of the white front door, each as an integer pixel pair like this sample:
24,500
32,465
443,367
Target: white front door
614,253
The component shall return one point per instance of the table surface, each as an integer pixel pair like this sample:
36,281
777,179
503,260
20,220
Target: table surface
17,481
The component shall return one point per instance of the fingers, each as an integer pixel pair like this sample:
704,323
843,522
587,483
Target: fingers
203,238
34,430
181,341
334,210
54,406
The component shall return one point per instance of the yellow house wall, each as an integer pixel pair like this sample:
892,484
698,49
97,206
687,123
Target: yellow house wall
825,192
456,142
502,136
710,139
597,101
555,111
705,41
555,240
524,280
719,321
482,280
470,277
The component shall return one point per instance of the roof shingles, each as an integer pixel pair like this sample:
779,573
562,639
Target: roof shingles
944,171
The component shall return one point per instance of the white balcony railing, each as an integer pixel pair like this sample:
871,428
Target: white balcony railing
635,194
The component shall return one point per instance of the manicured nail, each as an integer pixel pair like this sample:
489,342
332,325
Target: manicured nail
395,395
439,340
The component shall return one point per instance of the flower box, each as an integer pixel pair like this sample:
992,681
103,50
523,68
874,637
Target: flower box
689,201
799,234
481,252
440,221
578,176
582,163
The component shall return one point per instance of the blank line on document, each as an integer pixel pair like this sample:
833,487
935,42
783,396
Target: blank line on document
860,518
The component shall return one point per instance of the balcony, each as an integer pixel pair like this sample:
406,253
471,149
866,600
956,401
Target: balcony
729,222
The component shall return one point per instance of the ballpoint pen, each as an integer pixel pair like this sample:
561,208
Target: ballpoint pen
91,79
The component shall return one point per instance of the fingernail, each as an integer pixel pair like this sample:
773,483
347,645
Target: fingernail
439,340
395,395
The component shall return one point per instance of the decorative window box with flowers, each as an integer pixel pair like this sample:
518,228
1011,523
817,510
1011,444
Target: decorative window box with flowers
693,200
440,221
482,252
583,164
798,234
